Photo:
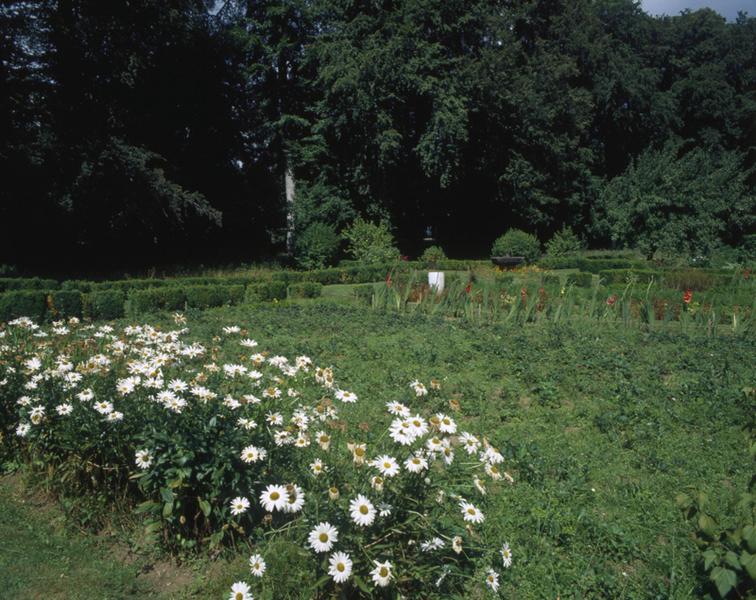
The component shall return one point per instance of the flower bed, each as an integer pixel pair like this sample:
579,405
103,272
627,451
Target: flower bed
217,443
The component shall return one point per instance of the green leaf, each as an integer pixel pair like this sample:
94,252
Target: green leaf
749,563
749,535
167,509
166,494
361,584
205,507
683,501
710,557
707,525
144,507
732,559
724,579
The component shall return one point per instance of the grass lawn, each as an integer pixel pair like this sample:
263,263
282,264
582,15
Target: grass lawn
601,427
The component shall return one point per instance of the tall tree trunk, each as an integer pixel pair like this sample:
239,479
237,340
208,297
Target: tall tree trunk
290,188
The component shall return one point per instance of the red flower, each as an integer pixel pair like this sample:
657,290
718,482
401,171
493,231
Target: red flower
746,273
388,280
405,257
611,300
687,296
524,295
468,287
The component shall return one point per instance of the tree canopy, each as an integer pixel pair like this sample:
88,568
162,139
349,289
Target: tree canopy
158,131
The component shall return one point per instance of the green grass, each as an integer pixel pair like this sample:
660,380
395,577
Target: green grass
602,427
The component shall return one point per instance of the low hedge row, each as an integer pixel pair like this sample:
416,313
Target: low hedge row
265,292
27,283
305,289
579,279
590,264
23,303
106,304
609,276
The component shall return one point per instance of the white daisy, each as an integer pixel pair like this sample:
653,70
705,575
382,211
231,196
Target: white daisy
274,497
492,580
240,591
143,459
64,409
239,505
247,343
435,543
295,499
257,565
253,454
470,513
506,555
323,537
340,567
398,409
382,573
362,511
317,467
386,465
469,442
416,463
23,429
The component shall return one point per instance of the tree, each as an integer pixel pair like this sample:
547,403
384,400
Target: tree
677,202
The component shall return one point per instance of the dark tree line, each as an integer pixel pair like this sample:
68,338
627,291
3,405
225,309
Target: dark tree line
146,131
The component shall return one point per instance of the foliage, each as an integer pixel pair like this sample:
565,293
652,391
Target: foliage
517,243
15,304
728,552
432,256
27,283
305,289
317,246
564,243
370,243
105,304
273,290
680,203
64,304
206,296
149,300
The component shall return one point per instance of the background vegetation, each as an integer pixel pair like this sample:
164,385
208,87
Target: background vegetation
157,132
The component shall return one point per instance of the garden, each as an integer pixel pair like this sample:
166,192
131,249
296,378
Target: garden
578,426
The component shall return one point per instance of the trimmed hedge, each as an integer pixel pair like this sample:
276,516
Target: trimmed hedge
78,284
64,304
595,265
207,296
583,280
264,292
27,283
697,279
127,285
23,303
155,299
105,304
623,275
305,289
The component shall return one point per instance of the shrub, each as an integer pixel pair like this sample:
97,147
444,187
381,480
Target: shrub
64,303
564,243
559,262
583,280
150,300
27,283
370,243
305,289
517,243
106,305
695,279
22,303
317,246
126,285
78,284
626,275
207,296
432,256
262,292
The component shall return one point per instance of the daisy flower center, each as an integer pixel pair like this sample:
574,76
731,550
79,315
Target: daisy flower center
386,465
341,567
383,572
275,496
470,511
359,452
323,537
364,509
239,596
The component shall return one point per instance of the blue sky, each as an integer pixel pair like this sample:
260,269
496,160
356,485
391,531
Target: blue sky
727,8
